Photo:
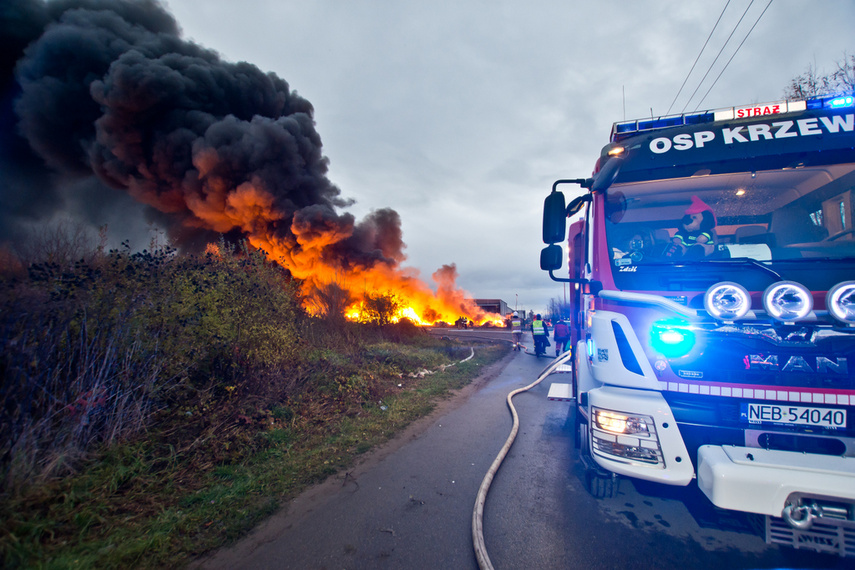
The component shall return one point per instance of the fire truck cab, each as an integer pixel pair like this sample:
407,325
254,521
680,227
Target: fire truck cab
712,257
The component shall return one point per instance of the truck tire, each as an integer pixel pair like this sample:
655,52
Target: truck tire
599,483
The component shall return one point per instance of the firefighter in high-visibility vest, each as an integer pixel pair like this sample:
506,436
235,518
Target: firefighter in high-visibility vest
540,333
516,329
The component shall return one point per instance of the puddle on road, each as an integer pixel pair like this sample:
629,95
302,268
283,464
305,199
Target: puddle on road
681,512
557,424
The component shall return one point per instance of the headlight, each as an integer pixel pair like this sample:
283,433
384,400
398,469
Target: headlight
787,301
840,302
623,437
727,301
618,423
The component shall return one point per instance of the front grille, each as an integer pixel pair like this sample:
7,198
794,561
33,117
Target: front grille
821,537
801,443
807,359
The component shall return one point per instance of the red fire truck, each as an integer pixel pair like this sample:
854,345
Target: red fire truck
712,257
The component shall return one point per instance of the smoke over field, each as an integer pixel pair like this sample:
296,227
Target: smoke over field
104,101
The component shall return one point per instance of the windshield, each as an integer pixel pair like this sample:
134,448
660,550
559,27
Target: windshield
765,216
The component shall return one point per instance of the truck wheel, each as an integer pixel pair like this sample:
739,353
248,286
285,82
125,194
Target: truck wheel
599,483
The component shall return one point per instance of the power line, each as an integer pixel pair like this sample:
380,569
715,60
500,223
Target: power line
734,53
697,58
717,56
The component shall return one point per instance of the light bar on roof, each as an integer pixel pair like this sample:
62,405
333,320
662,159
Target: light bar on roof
625,129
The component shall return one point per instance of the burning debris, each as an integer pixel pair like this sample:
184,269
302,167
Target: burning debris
107,93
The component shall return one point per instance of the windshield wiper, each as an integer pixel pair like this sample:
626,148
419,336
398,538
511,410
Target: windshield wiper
739,260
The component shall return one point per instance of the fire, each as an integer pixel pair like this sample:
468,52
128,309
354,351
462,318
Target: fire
409,313
355,313
418,302
306,252
213,249
307,261
496,321
217,148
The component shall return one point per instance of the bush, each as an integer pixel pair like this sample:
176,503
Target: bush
90,351
199,351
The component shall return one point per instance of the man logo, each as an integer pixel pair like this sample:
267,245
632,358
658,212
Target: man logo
822,365
825,541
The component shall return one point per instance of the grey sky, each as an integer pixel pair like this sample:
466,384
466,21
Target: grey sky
460,115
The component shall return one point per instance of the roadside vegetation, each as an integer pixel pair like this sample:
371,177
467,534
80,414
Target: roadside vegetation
156,405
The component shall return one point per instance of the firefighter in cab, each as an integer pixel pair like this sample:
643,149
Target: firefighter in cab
540,333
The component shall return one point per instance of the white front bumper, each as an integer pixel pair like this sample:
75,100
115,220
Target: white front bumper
760,481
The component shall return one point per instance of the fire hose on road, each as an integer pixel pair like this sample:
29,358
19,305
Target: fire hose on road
478,512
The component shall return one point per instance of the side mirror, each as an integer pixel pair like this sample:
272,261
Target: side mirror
554,218
550,257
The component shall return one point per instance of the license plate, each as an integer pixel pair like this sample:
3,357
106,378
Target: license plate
793,415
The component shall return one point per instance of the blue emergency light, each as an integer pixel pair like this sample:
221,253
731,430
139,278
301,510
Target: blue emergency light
832,102
839,102
672,338
625,128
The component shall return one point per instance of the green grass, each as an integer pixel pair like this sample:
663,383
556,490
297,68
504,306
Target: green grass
160,500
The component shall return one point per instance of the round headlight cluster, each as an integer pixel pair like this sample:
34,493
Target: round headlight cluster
727,301
787,301
841,302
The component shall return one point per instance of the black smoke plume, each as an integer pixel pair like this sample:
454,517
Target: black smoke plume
103,100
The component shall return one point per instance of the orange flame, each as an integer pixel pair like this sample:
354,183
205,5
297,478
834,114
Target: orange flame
251,209
213,249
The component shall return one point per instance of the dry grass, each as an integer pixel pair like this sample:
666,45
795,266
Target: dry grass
157,405
189,486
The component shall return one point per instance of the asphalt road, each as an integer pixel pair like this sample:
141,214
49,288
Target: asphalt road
409,505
